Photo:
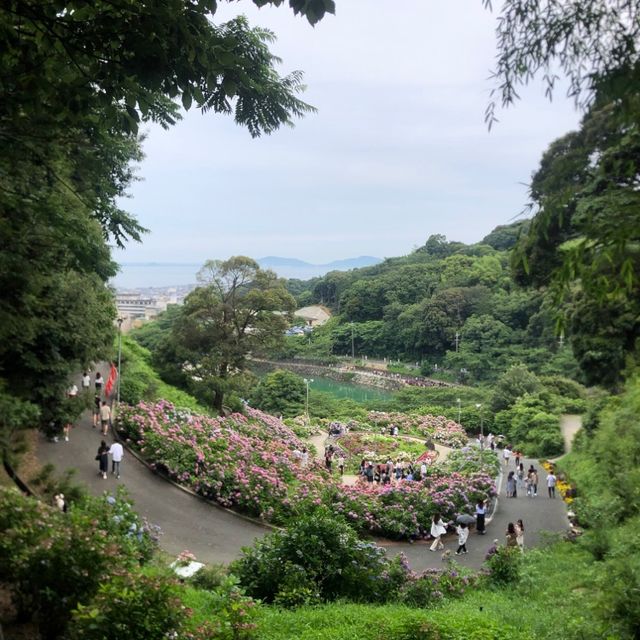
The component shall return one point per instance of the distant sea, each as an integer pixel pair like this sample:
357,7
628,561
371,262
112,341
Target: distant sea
156,274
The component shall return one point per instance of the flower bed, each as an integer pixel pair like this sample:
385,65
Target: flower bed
378,448
469,460
250,463
439,428
405,510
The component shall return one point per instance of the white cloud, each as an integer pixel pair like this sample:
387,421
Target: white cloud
397,151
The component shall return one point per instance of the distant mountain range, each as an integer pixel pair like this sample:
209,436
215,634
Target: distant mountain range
134,275
272,262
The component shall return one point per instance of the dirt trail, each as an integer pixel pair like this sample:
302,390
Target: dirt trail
570,424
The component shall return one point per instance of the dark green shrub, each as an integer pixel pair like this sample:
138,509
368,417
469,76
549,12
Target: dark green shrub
297,588
280,393
130,607
318,552
52,561
504,564
132,390
210,577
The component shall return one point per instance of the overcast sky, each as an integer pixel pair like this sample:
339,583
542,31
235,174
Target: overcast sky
397,151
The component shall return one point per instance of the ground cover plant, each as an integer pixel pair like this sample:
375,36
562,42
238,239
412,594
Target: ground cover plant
252,463
554,591
53,561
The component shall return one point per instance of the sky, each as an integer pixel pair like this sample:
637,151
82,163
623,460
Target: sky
397,151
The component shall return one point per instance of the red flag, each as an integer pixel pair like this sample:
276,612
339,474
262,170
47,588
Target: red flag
111,380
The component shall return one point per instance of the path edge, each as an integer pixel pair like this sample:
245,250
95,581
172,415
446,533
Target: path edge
189,491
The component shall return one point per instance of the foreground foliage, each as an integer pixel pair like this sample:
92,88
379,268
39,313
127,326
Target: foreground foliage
52,560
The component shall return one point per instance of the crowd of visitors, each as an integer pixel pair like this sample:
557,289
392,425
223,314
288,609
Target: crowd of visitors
101,417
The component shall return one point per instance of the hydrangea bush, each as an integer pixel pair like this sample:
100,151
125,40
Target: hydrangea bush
251,463
438,428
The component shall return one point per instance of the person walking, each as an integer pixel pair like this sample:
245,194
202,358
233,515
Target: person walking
506,454
481,511
551,484
117,453
368,473
533,482
438,529
520,476
519,528
341,464
98,383
105,417
511,485
511,535
463,533
66,430
103,459
86,382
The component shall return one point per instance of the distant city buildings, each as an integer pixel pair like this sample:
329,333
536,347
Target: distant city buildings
138,306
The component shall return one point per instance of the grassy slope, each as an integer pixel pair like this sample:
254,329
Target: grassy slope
548,603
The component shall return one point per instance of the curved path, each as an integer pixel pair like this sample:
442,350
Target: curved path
188,522
216,536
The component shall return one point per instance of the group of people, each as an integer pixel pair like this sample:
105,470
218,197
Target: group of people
302,455
514,534
101,418
439,528
101,410
390,471
116,451
528,481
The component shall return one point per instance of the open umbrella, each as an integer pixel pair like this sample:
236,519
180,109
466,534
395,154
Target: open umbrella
465,518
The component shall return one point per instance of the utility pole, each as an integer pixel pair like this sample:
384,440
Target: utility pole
457,340
479,407
353,350
306,407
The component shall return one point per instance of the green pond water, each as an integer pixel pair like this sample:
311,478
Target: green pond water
355,392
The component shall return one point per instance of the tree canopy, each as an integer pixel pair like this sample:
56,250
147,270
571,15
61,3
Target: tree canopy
77,79
238,309
587,43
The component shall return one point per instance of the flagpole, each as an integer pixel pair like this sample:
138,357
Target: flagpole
119,359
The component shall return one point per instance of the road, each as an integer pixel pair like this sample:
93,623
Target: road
215,535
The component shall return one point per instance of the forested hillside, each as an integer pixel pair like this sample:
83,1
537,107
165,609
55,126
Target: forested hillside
446,305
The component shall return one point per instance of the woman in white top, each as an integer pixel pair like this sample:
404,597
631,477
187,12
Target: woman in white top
438,529
519,527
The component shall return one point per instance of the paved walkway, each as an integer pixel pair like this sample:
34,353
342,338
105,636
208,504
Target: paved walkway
216,536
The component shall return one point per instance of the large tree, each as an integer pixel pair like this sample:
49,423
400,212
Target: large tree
77,78
587,43
238,309
583,245
584,241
